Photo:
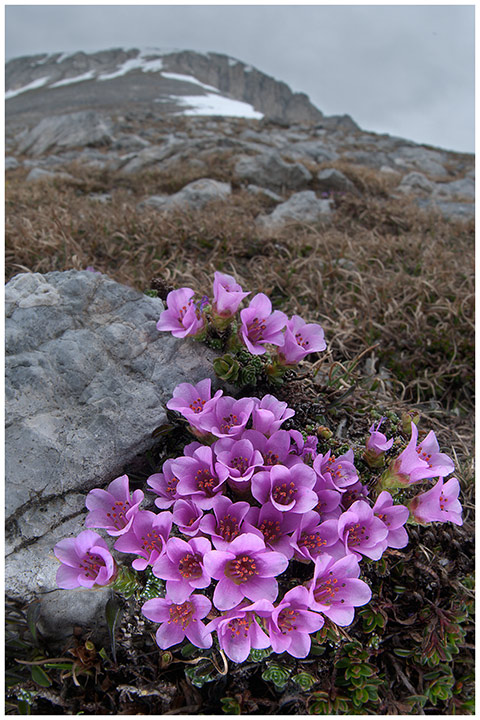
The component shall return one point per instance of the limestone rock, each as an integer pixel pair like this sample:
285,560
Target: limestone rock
264,193
331,179
415,182
66,131
38,174
193,196
271,171
456,190
11,163
87,375
301,207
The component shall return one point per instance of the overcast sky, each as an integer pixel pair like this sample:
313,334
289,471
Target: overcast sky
406,70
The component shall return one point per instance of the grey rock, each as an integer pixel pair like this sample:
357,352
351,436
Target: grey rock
370,158
415,182
300,207
37,174
425,160
61,132
312,150
264,193
87,375
11,163
130,143
449,210
271,171
193,196
458,189
331,179
137,161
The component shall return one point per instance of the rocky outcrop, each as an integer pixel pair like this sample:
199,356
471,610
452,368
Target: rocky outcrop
194,196
62,132
271,171
302,207
88,375
232,77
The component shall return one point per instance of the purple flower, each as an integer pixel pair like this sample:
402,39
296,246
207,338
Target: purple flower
394,517
439,504
376,446
302,447
335,589
238,631
228,418
246,569
377,442
240,459
182,566
313,537
354,492
146,537
178,621
269,413
275,449
194,401
114,508
288,489
226,522
273,526
361,531
187,516
164,484
417,463
328,505
198,479
428,450
291,623
300,339
260,326
227,295
86,561
335,473
181,317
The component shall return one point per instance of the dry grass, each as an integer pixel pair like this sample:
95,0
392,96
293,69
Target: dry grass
383,273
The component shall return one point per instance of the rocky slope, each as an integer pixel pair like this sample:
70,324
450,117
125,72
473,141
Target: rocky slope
110,78
124,111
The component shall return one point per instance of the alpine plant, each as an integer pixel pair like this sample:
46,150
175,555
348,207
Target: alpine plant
248,499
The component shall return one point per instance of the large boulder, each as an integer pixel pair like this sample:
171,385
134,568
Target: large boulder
194,196
300,207
271,171
61,132
87,377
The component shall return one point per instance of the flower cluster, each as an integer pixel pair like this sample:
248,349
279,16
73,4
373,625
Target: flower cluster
245,500
255,328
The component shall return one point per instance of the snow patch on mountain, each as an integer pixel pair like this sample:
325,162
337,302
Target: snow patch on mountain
217,105
31,86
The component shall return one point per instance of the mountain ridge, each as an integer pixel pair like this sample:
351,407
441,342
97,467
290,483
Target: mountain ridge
35,74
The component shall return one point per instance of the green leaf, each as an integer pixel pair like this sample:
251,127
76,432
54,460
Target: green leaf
305,680
33,614
113,612
188,649
40,676
201,674
400,652
259,655
230,706
24,707
278,674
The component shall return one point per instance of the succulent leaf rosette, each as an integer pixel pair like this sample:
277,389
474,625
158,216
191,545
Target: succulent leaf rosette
249,502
